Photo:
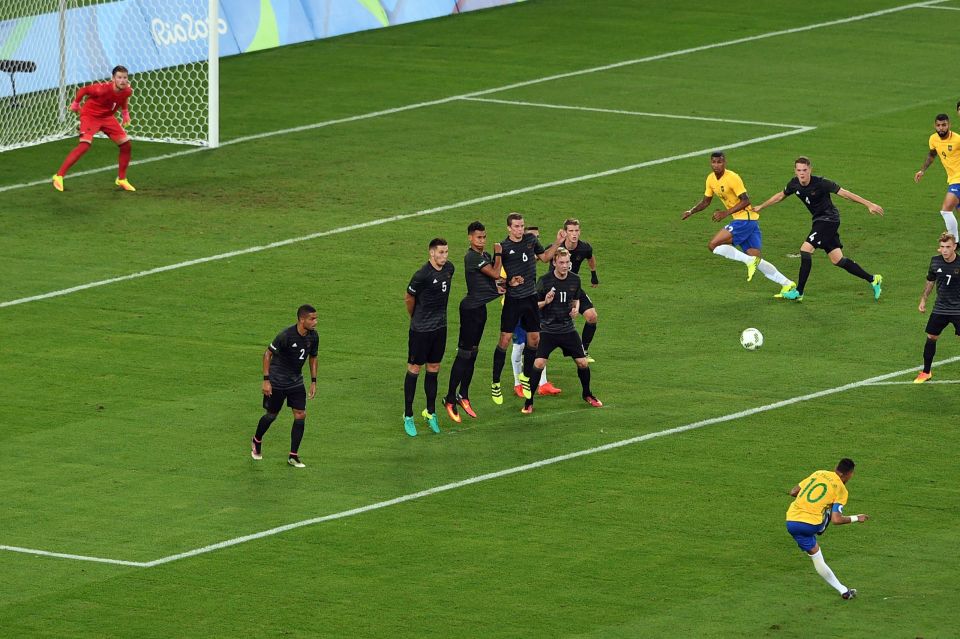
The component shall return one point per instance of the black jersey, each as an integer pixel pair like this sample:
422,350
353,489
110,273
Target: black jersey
290,350
947,276
555,316
432,290
816,197
481,288
577,255
520,258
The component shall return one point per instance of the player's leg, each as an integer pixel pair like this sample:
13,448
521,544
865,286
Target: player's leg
935,325
116,133
536,371
271,406
508,320
590,322
479,324
805,536
722,244
530,319
416,357
838,259
806,264
752,243
297,401
437,346
462,361
78,151
516,357
950,203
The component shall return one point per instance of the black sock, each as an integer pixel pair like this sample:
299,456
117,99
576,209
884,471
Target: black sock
468,375
806,263
430,385
589,330
584,375
409,390
535,375
456,378
264,424
853,268
499,358
296,436
929,350
529,354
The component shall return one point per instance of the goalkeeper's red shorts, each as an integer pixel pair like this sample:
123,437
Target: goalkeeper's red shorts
89,127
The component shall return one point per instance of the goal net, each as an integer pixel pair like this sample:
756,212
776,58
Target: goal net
49,48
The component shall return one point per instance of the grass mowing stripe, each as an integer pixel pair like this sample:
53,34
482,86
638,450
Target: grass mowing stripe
393,218
485,477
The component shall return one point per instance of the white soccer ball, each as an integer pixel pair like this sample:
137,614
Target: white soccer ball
751,339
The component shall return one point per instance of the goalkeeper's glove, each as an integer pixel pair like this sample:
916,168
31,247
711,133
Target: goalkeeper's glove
75,106
594,279
126,119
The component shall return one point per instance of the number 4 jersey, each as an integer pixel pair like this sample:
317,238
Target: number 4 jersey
290,350
818,493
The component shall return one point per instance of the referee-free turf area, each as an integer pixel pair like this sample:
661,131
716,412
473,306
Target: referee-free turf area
128,406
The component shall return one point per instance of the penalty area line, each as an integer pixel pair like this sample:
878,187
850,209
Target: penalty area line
396,218
481,478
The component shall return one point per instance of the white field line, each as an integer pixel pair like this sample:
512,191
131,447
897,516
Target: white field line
485,477
932,381
948,8
395,218
506,87
638,113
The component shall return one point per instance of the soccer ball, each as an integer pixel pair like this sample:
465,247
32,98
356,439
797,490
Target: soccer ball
751,339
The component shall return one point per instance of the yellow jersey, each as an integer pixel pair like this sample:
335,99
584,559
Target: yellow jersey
818,493
949,153
729,187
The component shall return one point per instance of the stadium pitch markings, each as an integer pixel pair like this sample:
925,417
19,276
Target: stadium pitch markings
481,478
419,105
948,8
397,218
637,113
932,381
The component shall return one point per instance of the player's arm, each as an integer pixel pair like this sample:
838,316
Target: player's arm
927,161
837,518
773,199
125,112
923,296
313,377
699,206
78,98
592,263
853,197
575,307
743,203
411,302
267,358
551,250
544,296
795,490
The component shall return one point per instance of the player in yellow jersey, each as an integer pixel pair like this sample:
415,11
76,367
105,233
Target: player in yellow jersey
945,144
818,501
743,231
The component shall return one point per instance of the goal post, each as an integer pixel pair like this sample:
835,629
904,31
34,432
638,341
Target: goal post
49,48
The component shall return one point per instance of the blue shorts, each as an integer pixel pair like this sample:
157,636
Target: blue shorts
519,335
746,234
805,534
955,189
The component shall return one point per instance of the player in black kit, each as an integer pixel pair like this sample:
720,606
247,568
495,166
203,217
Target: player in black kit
580,251
520,254
283,380
814,191
426,299
482,273
945,272
558,294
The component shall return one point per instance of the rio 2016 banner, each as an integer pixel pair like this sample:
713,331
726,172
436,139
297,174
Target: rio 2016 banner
145,35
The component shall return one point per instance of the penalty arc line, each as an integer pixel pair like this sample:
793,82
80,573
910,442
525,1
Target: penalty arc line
393,218
506,87
485,477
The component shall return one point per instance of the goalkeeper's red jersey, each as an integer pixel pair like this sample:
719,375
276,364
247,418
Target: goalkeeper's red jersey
102,99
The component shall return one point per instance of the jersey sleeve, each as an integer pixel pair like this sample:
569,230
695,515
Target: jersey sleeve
790,187
537,246
931,273
932,142
315,345
542,288
416,282
707,189
736,183
832,186
278,342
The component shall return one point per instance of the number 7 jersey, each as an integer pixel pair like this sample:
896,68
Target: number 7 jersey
818,493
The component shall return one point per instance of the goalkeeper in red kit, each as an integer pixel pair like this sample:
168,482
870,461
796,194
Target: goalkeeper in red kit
98,113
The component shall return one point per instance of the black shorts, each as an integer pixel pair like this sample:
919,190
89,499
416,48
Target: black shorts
472,322
295,396
569,343
938,322
523,310
426,348
825,235
585,302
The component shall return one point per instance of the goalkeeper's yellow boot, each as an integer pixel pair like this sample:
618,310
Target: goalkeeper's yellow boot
124,184
58,182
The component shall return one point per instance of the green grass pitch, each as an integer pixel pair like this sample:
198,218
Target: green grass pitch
127,408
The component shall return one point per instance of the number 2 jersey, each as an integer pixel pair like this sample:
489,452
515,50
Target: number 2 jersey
555,316
818,493
290,350
945,274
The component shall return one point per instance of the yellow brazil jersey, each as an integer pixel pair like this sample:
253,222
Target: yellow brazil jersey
818,493
949,153
729,188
